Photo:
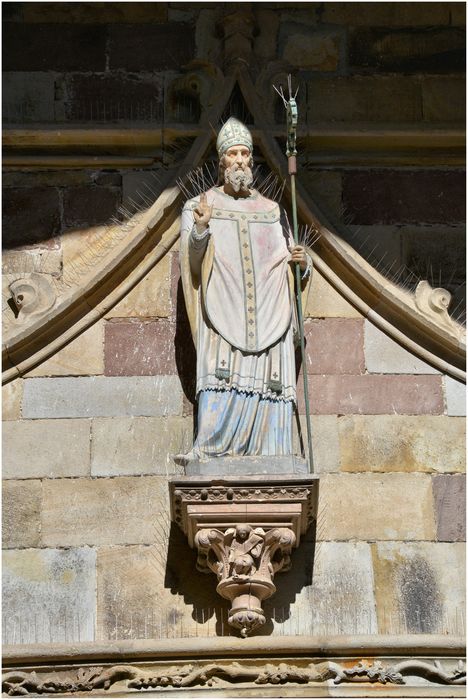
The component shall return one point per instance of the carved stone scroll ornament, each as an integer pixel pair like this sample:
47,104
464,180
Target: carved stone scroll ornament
32,296
434,303
202,674
245,561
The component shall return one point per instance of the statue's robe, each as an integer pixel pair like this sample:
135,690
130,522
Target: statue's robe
239,292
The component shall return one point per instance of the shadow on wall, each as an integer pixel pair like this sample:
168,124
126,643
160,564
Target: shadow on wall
199,590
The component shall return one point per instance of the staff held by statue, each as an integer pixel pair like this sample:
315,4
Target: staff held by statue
291,153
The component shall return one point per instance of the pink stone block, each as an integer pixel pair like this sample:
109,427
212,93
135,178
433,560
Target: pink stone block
373,394
335,346
136,348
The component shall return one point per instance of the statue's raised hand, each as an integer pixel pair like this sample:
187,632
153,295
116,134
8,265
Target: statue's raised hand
202,213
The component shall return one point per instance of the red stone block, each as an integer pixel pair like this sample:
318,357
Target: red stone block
450,505
389,197
373,394
133,348
335,346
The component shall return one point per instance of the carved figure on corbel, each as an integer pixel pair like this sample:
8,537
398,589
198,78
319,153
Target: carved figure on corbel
245,560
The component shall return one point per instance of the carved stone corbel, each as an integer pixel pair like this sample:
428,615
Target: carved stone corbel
244,530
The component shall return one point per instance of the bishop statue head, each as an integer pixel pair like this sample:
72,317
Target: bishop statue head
235,145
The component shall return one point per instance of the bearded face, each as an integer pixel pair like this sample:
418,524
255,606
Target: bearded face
239,177
236,174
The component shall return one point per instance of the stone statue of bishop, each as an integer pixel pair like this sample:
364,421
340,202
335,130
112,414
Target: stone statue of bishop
236,255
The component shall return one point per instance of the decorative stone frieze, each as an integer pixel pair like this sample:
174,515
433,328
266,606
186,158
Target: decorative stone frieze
244,530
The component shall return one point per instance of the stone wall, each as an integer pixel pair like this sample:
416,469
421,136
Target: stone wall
88,435
88,438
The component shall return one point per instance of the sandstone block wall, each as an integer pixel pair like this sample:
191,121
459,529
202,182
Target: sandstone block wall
88,435
87,458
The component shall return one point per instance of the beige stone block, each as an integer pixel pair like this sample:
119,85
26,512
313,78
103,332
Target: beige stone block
402,444
337,599
155,591
325,302
12,395
46,448
376,507
313,51
455,397
45,261
138,445
49,595
82,356
149,298
384,356
123,510
325,443
420,587
21,513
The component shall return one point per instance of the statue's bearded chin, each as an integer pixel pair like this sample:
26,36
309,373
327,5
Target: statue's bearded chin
239,178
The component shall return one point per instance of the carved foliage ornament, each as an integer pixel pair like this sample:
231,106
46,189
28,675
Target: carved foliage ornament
193,675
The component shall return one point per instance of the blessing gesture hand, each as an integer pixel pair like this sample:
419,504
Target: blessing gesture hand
202,213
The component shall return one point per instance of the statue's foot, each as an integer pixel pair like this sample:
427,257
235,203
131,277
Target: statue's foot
182,460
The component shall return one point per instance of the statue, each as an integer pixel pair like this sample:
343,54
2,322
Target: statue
236,255
245,550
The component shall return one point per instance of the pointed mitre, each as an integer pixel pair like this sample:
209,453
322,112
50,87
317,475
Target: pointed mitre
233,133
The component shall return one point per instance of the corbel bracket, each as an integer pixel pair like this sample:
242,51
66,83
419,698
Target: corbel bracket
244,529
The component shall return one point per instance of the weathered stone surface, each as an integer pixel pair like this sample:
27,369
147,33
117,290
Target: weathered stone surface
376,507
268,24
46,261
313,51
422,244
444,99
150,47
175,601
28,97
46,448
86,397
138,445
324,301
363,98
49,595
26,225
455,397
373,394
458,14
450,507
381,246
85,206
399,14
325,442
83,355
50,49
143,184
316,608
408,50
325,188
334,346
98,13
140,348
384,356
419,587
107,97
151,297
21,513
388,197
402,443
123,510
12,395
82,251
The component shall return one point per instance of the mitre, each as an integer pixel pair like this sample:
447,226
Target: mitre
233,133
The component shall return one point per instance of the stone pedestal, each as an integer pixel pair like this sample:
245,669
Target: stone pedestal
244,527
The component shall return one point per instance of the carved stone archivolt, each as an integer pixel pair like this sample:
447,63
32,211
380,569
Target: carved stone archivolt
119,678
